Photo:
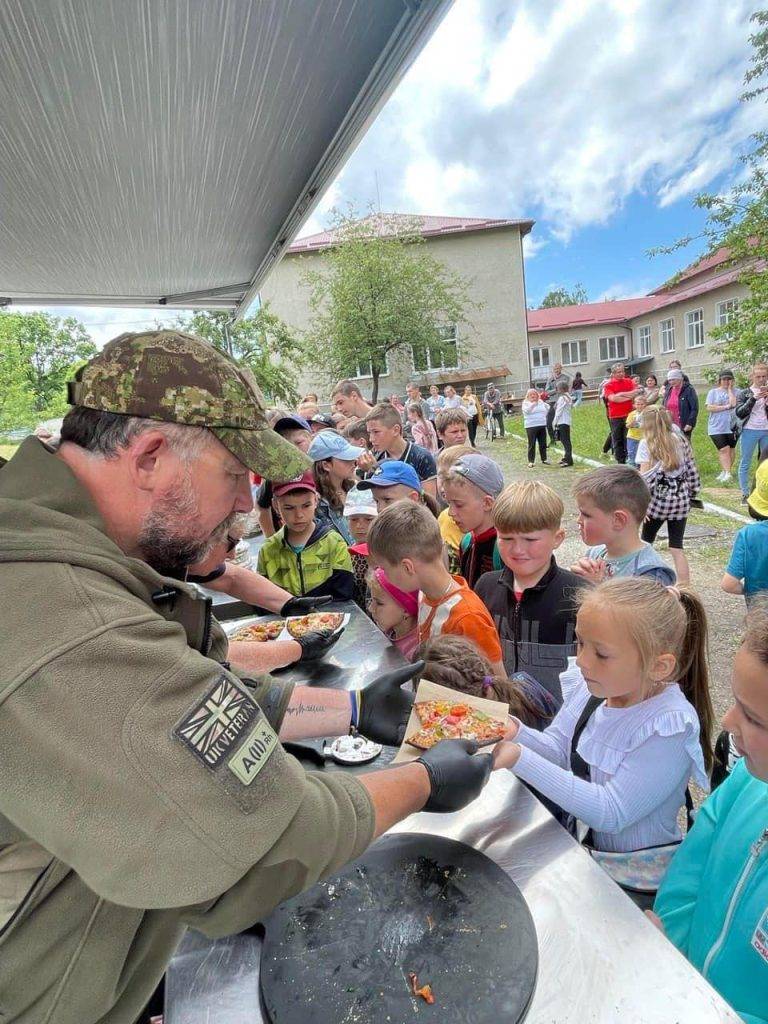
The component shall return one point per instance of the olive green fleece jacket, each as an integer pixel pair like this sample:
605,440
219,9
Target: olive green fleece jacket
143,787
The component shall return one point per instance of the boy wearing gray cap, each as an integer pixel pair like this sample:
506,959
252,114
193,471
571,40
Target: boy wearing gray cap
471,487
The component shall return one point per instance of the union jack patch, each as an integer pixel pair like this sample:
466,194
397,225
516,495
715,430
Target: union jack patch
216,723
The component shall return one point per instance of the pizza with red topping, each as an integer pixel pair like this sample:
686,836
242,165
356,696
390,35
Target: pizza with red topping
446,720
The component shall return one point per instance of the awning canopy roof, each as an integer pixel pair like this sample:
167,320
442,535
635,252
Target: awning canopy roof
166,152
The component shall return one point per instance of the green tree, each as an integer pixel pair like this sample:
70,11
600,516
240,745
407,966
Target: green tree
560,296
737,220
17,402
263,342
50,349
381,293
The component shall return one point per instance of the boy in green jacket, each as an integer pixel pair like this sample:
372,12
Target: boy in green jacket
306,557
713,902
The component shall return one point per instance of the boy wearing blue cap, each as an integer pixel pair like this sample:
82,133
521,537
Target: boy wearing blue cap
395,481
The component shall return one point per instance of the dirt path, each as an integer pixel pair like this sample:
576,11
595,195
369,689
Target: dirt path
707,555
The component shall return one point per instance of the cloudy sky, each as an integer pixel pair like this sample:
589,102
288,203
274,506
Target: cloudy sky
599,119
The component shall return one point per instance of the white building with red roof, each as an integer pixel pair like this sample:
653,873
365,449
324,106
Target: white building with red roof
493,346
674,321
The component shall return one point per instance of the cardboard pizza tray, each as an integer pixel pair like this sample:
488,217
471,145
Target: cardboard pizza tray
428,690
233,625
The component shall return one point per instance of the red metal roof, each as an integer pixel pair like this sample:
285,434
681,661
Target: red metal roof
616,311
700,266
621,310
430,226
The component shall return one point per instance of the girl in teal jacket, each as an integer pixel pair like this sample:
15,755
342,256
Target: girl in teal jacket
713,903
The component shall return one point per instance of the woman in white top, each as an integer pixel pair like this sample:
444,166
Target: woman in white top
471,406
666,462
752,412
535,411
642,653
452,400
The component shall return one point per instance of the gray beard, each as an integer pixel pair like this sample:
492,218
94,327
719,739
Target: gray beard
165,545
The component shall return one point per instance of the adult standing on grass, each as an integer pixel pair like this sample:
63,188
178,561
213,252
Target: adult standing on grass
652,390
577,388
535,422
556,378
563,422
681,401
619,393
752,412
471,406
492,405
436,402
413,391
721,402
452,400
145,790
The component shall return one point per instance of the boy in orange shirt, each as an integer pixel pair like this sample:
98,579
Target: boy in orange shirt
405,541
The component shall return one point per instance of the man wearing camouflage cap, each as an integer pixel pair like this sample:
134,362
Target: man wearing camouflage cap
144,786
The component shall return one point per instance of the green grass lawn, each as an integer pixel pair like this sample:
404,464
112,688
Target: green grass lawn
590,429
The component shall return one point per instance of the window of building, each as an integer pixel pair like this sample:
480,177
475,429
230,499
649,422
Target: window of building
613,348
443,355
726,311
667,335
573,353
694,328
644,340
363,369
540,358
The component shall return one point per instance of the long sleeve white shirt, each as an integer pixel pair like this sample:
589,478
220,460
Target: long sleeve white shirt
535,414
563,410
640,758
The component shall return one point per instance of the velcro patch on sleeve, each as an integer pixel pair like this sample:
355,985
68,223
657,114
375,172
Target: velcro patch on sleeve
216,724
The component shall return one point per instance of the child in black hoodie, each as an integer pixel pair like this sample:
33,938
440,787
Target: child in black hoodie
532,600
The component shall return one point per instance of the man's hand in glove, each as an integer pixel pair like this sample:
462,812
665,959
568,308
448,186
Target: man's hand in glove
380,711
303,605
456,777
315,645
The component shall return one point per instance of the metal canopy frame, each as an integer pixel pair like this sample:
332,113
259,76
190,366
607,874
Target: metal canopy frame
142,159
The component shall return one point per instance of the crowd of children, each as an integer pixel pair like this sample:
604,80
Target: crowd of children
602,664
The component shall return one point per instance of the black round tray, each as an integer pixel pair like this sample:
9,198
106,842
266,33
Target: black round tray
343,950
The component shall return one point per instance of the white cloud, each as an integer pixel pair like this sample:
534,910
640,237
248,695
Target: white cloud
562,107
532,245
106,323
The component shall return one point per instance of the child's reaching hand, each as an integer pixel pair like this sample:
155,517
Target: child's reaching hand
505,755
592,569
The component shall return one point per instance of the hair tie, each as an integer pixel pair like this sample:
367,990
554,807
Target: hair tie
487,683
674,590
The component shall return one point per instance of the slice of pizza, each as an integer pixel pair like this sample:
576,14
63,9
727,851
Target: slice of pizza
442,720
259,632
317,622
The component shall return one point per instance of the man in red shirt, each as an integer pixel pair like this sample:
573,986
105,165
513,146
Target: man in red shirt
620,393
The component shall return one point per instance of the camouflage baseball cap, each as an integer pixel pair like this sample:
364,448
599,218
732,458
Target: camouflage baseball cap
179,378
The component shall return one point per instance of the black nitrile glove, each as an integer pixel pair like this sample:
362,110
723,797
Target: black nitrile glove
384,706
303,605
315,645
455,775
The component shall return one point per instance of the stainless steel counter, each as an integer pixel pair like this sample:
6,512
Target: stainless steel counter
600,959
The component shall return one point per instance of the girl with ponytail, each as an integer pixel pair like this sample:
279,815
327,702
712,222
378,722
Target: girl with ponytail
635,727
